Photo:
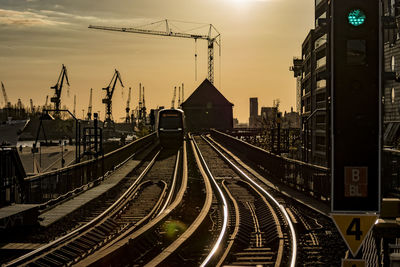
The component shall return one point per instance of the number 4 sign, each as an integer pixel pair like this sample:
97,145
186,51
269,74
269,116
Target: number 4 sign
354,228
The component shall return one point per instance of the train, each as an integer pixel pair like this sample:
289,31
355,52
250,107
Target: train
170,127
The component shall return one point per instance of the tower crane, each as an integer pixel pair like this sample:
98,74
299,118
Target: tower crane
7,104
212,37
173,98
108,98
127,109
74,111
32,107
56,99
89,110
47,100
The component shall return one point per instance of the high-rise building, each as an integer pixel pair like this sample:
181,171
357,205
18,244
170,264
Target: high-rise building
253,112
315,88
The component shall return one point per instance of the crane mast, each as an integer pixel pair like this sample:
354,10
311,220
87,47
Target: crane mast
56,99
7,104
47,100
127,109
108,98
210,38
89,111
32,107
173,98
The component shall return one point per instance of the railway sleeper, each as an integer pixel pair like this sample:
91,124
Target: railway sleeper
68,253
84,247
48,261
58,255
86,241
94,235
105,229
91,238
75,249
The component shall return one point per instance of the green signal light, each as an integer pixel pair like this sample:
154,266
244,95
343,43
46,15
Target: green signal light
356,17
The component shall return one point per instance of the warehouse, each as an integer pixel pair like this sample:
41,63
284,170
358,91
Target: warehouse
207,108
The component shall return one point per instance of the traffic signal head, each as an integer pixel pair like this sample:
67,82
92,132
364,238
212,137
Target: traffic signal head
356,17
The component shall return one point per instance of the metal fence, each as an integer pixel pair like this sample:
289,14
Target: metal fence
311,179
51,185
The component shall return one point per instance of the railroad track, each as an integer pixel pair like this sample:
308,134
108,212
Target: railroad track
142,201
214,212
316,232
252,227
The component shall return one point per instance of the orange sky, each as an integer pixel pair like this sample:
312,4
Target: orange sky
259,40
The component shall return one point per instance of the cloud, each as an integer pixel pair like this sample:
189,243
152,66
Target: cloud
45,17
26,18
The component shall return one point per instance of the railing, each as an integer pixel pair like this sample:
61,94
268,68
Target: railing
47,186
311,179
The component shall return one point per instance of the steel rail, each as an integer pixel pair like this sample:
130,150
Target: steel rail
96,258
174,178
236,229
223,232
281,207
54,244
172,248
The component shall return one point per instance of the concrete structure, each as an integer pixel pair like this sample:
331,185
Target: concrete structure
207,108
315,88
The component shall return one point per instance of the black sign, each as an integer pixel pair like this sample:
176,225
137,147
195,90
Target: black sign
355,105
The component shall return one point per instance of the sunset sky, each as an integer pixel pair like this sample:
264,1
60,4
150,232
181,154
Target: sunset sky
259,40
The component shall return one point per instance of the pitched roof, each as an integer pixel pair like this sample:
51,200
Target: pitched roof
204,94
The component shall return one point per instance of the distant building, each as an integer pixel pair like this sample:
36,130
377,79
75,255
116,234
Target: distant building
291,120
253,119
207,108
268,117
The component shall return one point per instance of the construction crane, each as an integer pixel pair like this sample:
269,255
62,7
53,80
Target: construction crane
212,37
143,106
47,100
74,111
56,99
89,110
32,107
7,104
173,98
127,109
108,98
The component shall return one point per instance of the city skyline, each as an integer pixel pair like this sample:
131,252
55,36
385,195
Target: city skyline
259,40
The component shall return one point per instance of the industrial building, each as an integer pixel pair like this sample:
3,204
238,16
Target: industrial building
315,88
207,108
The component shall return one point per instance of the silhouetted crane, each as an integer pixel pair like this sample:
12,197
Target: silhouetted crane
89,111
56,99
127,109
108,98
173,98
7,104
211,39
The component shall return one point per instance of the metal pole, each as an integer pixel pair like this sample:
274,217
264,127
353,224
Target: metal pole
76,142
279,139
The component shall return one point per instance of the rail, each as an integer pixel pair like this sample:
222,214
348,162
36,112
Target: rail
51,185
311,179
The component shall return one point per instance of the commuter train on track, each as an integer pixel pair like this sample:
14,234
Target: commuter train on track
171,127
